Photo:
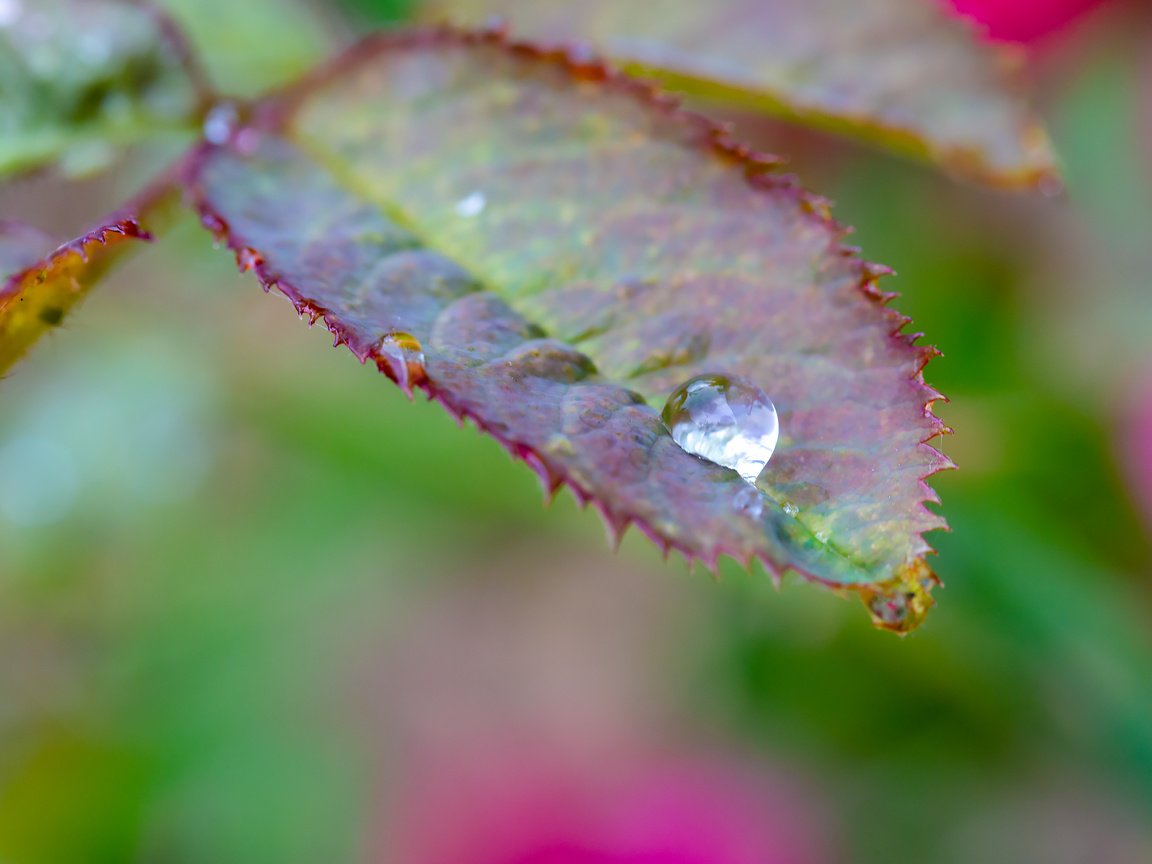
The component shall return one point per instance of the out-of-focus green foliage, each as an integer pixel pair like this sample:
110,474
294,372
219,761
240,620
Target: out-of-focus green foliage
248,47
80,79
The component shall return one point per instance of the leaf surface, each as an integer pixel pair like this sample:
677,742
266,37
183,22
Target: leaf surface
550,249
79,78
901,73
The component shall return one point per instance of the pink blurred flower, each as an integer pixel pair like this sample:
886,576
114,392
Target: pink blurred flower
1139,450
1023,21
521,721
523,807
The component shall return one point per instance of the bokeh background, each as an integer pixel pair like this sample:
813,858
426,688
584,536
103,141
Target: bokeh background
255,606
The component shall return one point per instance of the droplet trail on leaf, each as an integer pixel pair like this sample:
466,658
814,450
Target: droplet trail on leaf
726,420
401,357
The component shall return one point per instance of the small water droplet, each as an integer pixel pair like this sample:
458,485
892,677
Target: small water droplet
471,205
248,258
216,225
791,509
559,445
726,420
901,604
220,123
890,610
401,357
751,501
822,536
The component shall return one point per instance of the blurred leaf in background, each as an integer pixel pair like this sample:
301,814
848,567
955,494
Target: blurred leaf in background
249,47
902,74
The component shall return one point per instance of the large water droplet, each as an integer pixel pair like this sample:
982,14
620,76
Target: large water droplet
726,420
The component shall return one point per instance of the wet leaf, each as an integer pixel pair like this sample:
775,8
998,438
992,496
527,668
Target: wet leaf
45,283
79,78
551,249
900,73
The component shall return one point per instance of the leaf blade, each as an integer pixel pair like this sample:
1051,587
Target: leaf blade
896,73
456,213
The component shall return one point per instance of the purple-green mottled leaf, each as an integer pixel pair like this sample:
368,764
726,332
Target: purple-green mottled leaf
549,249
900,73
79,78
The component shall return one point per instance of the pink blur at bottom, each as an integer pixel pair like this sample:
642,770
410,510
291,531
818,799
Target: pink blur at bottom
518,808
1022,21
1138,458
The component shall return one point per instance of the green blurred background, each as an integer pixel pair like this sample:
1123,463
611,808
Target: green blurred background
254,604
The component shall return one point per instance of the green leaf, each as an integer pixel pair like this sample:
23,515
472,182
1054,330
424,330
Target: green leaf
899,73
550,249
80,78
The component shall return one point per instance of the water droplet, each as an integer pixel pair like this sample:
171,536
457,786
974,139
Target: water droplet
791,509
216,225
751,501
401,357
248,258
559,445
822,536
220,123
901,604
726,420
891,610
471,205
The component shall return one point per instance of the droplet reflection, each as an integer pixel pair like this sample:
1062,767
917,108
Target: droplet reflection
401,357
471,205
726,420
